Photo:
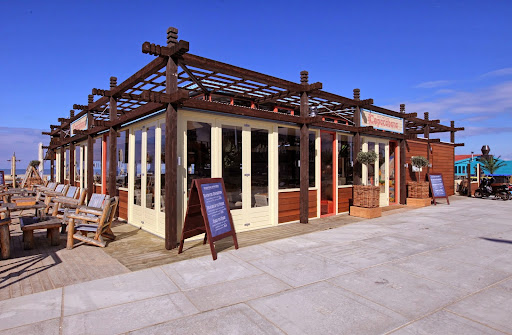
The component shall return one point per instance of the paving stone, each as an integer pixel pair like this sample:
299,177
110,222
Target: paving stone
444,322
48,327
235,291
238,319
402,246
357,255
402,292
116,290
292,244
492,307
254,252
467,277
322,308
301,268
30,309
204,271
129,316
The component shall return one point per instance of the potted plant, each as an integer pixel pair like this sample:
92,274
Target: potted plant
419,189
366,196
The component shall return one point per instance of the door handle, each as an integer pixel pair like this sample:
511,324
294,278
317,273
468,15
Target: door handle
247,174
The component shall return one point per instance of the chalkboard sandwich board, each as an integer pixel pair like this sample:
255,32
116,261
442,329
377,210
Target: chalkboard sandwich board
208,213
2,178
437,187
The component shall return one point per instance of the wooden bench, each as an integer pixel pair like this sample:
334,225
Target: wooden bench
28,224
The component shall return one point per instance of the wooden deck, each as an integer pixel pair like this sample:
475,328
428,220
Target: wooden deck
47,267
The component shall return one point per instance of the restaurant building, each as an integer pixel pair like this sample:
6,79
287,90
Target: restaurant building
285,150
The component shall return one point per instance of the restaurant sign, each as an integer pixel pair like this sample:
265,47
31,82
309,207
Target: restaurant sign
381,121
79,124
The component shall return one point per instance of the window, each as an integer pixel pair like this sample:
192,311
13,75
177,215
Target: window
122,159
97,160
345,162
199,146
162,168
289,158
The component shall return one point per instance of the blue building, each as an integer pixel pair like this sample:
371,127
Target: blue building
462,164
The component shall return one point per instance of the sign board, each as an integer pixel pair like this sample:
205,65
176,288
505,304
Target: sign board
208,213
381,121
79,124
2,178
437,187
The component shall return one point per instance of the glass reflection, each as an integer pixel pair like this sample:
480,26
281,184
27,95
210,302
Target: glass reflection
259,167
371,167
326,191
232,164
137,168
150,167
199,145
382,167
345,165
162,169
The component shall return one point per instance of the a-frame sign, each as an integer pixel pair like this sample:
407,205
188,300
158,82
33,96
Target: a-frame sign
208,213
437,187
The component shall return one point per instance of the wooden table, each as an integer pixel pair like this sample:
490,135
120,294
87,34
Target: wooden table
15,207
15,192
28,224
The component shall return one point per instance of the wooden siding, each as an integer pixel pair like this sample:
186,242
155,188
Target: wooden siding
97,189
442,159
289,203
123,204
345,196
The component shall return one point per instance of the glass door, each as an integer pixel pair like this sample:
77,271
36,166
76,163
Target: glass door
327,176
377,174
145,177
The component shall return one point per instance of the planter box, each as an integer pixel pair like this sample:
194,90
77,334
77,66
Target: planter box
414,202
366,196
419,189
367,213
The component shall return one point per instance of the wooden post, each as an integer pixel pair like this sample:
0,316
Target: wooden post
403,171
71,155
304,154
452,132
112,147
426,134
171,149
72,164
62,160
357,140
90,162
52,166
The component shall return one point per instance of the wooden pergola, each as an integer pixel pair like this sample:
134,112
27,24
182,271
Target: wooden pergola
176,78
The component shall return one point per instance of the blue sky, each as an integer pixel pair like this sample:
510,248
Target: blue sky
450,58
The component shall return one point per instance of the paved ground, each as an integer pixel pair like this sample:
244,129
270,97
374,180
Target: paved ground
437,270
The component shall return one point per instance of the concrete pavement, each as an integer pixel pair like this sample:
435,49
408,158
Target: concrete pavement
436,270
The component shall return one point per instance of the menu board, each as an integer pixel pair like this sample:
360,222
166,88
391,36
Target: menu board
208,213
2,178
216,208
437,187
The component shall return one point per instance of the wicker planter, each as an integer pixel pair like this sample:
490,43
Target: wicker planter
366,196
419,189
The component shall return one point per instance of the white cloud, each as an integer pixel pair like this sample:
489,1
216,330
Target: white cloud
498,73
433,84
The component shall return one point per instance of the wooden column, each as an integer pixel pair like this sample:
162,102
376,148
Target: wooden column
90,162
52,166
469,179
62,160
426,134
452,133
104,164
171,148
304,154
403,171
112,143
72,164
357,140
71,155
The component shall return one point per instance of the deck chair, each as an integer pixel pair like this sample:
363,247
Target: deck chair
94,221
50,187
73,192
96,202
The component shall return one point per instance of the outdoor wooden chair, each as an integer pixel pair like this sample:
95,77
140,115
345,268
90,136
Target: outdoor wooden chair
94,221
96,202
73,192
49,187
